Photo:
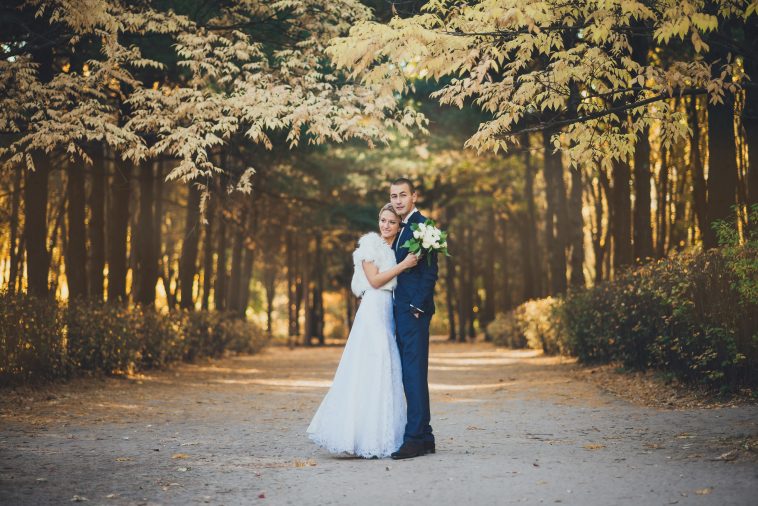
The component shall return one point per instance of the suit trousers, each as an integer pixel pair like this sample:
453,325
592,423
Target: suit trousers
413,343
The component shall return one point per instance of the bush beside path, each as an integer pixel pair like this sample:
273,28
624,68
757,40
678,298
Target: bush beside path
513,426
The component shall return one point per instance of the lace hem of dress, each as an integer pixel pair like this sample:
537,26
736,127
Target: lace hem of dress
365,453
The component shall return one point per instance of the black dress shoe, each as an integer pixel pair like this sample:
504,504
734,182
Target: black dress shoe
408,451
429,447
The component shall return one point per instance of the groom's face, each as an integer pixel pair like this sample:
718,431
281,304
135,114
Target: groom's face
402,199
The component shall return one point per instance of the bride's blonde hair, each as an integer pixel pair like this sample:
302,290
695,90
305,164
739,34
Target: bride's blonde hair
390,208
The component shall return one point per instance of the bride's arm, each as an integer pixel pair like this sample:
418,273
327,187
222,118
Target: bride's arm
378,279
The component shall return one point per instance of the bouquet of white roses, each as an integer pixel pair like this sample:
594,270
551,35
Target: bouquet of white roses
427,238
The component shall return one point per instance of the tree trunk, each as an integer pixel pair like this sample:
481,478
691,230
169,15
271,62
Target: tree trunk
663,204
605,183
299,280
35,225
147,261
188,258
118,228
622,220
463,292
556,215
76,245
505,301
696,164
471,293
292,257
318,292
15,249
220,284
450,280
488,275
219,293
164,261
270,286
577,230
722,155
233,302
643,233
306,290
530,247
596,190
59,227
97,224
247,274
750,114
210,216
722,163
678,233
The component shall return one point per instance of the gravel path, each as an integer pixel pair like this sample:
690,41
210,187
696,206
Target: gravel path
511,426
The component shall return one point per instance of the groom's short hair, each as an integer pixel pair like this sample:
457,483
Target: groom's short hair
404,180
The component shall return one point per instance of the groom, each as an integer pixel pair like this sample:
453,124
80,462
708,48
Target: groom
413,308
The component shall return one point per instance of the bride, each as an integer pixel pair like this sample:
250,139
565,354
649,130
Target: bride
363,413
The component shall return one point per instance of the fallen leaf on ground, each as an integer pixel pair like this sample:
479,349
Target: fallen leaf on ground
473,427
303,463
593,446
79,498
180,456
730,455
704,491
123,459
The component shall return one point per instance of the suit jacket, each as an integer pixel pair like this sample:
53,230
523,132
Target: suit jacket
415,287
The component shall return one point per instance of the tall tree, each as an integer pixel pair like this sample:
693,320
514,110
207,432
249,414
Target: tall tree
118,227
622,219
96,223
556,215
35,226
147,259
577,229
722,151
190,241
76,245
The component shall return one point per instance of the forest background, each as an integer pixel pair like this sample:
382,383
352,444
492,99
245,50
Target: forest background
187,178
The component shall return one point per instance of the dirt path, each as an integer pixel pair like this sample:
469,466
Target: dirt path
512,427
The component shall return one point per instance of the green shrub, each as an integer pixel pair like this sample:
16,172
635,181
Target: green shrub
504,331
534,324
43,340
241,336
101,337
159,338
31,348
684,315
203,334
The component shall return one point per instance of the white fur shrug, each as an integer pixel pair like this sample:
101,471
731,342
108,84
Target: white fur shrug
372,248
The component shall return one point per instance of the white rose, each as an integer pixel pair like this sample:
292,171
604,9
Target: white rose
417,234
426,244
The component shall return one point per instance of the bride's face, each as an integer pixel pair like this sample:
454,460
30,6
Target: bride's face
389,224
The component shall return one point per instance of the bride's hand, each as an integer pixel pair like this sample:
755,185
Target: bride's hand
409,261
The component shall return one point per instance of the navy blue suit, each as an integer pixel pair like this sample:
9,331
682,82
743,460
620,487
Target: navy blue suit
415,291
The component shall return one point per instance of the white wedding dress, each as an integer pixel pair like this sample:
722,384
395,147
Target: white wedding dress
363,413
